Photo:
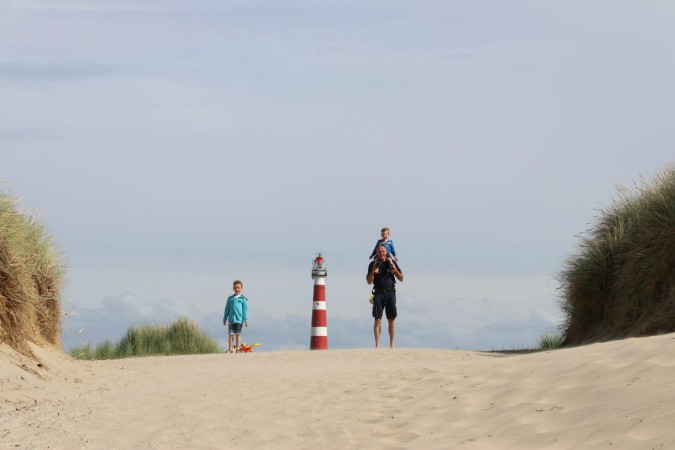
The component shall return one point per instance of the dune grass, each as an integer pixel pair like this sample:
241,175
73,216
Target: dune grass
31,276
621,283
549,341
181,337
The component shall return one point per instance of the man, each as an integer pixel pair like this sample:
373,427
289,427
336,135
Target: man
383,273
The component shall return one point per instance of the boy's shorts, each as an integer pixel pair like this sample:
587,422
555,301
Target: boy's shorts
234,328
384,302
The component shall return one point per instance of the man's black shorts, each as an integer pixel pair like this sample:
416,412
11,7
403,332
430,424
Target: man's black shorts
384,302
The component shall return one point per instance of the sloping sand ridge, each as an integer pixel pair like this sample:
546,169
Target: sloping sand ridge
612,395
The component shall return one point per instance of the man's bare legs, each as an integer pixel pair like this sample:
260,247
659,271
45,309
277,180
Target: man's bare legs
377,330
392,332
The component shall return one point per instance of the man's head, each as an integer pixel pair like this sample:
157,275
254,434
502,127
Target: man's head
237,287
384,233
381,253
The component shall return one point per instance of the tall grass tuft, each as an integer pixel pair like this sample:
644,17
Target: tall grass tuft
181,337
549,341
621,283
31,276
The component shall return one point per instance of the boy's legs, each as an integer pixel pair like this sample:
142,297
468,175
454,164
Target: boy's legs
235,330
232,330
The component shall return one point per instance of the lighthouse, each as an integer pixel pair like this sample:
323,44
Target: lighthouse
319,340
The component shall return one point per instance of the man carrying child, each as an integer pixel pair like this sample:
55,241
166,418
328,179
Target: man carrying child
383,272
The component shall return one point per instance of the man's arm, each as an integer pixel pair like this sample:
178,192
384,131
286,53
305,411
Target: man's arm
372,271
396,271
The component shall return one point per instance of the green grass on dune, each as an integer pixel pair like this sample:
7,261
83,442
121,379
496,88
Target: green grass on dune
621,283
181,337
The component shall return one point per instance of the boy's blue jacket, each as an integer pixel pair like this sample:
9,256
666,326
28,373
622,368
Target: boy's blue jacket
388,244
236,309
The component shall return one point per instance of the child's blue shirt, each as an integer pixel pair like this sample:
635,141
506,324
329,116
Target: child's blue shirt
236,309
388,244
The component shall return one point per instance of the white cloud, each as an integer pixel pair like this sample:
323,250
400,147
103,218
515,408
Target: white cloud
217,141
116,315
292,331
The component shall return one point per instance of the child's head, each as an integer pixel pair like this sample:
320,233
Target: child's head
384,233
237,286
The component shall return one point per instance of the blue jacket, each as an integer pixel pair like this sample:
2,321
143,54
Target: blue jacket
236,309
388,244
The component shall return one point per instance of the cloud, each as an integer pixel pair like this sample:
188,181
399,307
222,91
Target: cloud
293,331
47,72
300,106
24,134
413,305
90,7
116,315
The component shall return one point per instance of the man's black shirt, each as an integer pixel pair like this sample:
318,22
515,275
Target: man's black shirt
384,280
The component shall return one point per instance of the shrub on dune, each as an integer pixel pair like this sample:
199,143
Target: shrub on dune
31,275
622,281
181,337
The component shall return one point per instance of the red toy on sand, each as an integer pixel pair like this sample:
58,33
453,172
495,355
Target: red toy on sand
243,348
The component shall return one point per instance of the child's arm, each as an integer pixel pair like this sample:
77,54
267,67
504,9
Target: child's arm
245,312
392,250
227,312
375,248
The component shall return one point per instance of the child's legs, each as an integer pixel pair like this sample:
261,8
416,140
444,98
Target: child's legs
238,340
234,330
230,342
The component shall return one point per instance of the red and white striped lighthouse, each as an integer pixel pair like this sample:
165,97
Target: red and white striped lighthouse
319,340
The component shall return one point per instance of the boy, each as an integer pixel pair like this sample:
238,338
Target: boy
236,313
388,244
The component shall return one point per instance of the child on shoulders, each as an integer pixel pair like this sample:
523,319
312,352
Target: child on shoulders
388,244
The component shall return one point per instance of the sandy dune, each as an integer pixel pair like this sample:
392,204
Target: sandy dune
612,395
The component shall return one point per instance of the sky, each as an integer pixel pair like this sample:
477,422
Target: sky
171,147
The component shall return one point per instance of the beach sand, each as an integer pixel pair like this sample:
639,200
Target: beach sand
611,395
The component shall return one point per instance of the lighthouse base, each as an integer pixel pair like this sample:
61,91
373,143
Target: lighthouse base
318,343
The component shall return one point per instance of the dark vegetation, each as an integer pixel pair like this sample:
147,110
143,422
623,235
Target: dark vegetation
621,283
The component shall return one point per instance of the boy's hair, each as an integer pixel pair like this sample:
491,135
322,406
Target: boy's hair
237,282
384,229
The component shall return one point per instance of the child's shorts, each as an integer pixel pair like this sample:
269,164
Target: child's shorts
234,328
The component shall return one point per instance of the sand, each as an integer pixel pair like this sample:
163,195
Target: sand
611,395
